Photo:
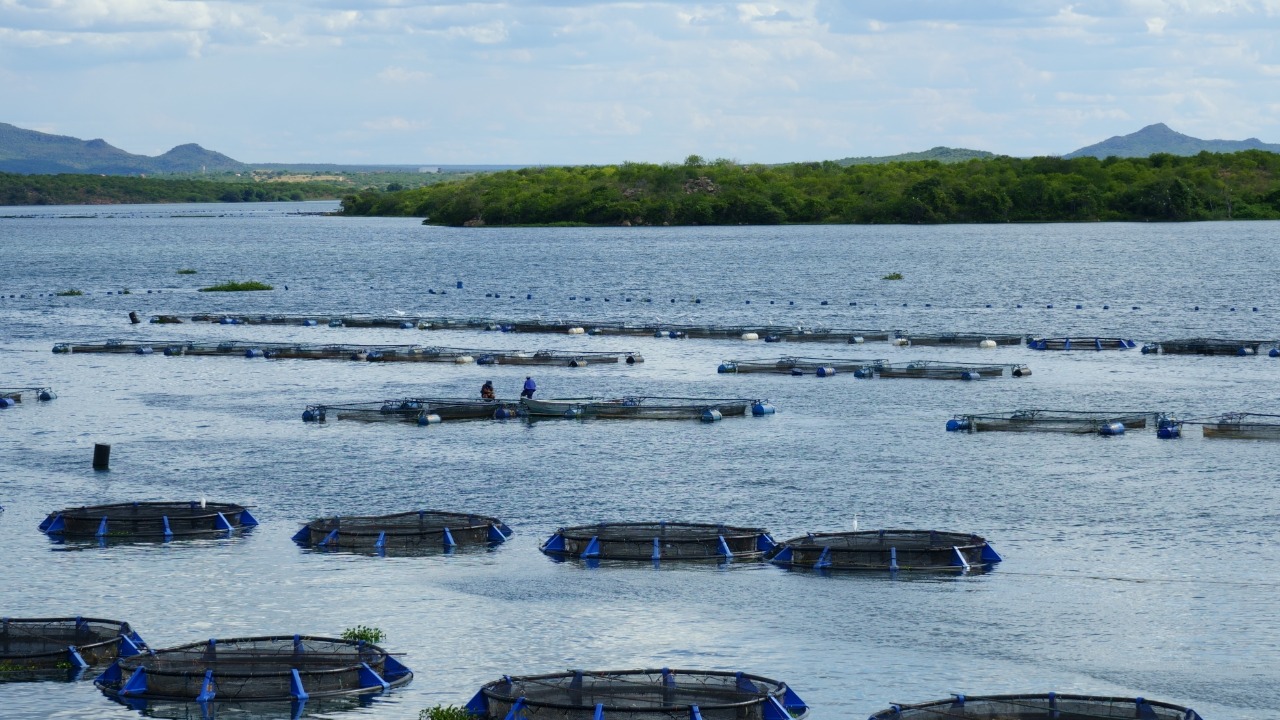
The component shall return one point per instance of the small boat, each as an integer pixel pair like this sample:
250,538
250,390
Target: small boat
892,550
1081,343
1037,707
413,530
285,667
148,521
1061,421
31,647
1243,426
637,408
659,541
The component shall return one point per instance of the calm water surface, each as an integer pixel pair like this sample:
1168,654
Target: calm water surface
1132,566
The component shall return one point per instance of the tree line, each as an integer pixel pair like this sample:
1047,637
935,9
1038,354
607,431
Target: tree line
1162,187
17,189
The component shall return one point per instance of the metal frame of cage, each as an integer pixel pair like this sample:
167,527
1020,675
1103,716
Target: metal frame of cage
658,541
434,529
1036,707
646,694
269,669
891,550
148,520
69,643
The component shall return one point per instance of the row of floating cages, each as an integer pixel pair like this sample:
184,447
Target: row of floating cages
1081,343
920,369
1210,346
62,648
283,668
369,353
146,521
1060,421
1038,707
661,694
867,550
423,411
416,531
13,396
641,407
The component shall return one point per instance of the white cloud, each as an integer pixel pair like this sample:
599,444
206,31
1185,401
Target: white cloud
392,124
1156,25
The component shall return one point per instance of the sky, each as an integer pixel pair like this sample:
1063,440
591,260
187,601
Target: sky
562,82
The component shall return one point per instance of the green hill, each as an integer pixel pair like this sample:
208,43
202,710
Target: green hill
938,154
30,152
1160,138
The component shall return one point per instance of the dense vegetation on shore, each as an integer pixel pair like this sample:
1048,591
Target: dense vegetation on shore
110,189
1244,185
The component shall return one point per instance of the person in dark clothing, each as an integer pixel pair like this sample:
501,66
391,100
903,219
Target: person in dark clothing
486,390
530,387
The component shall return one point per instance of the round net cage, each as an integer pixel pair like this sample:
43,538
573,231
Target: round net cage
659,541
638,695
1039,707
31,645
149,521
414,531
282,668
891,550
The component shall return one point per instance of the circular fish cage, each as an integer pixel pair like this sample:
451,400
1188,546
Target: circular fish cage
279,668
638,695
1037,707
659,541
37,646
416,530
892,550
148,521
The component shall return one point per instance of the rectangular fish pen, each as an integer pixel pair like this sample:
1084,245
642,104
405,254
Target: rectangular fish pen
960,339
1242,426
796,365
931,370
1205,346
1081,343
1057,421
423,411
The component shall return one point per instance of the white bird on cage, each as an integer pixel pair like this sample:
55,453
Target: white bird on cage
855,522
202,501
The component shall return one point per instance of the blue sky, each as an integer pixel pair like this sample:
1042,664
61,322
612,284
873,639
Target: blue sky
420,82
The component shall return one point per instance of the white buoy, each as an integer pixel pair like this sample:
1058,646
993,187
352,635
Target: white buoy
577,331
750,336
856,340
987,344
901,342
464,359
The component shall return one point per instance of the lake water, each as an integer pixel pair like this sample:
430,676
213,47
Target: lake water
1133,566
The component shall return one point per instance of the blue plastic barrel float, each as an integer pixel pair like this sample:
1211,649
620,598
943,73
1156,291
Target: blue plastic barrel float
659,541
148,521
287,668
660,694
51,648
406,532
1038,707
886,550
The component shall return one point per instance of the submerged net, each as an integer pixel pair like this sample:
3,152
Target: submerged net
149,520
885,550
1038,707
659,541
417,529
637,695
258,668
42,643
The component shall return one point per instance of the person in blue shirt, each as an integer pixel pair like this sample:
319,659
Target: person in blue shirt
529,388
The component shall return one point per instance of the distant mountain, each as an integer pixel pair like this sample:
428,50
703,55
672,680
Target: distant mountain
1159,138
939,154
30,152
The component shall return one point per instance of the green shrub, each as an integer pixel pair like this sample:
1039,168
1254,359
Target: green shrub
892,276
186,271
70,293
244,286
367,634
445,712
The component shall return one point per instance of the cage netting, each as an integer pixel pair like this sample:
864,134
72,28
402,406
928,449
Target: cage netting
413,530
149,520
659,541
32,644
885,550
277,668
1039,707
648,694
